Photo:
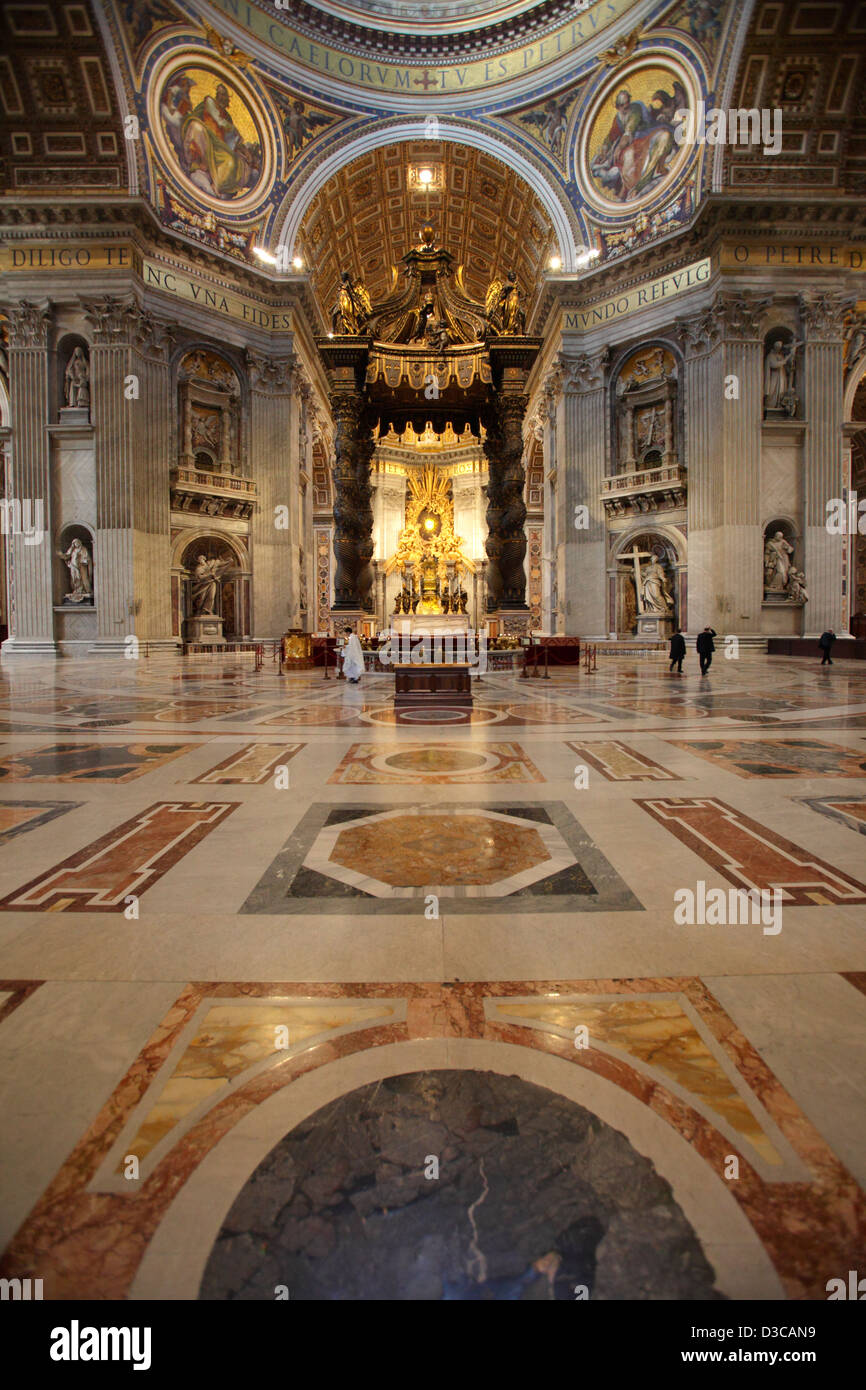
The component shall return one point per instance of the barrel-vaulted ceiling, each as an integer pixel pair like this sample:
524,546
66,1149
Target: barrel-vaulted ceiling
367,216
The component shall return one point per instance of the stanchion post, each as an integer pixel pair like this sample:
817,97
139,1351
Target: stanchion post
546,663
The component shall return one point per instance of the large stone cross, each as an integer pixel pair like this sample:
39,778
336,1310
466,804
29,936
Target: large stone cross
635,556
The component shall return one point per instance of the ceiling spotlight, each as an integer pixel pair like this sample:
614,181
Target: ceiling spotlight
264,255
298,263
425,176
555,263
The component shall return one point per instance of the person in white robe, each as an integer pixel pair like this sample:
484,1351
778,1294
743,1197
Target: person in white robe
353,657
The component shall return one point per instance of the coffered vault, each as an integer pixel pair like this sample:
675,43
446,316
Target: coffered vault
366,217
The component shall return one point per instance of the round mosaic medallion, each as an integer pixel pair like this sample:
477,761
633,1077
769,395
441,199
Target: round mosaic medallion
211,132
628,152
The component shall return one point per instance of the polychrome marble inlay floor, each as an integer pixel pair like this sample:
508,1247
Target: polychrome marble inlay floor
267,945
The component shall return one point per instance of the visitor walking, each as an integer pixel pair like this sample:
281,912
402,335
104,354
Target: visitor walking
353,657
825,642
678,651
706,647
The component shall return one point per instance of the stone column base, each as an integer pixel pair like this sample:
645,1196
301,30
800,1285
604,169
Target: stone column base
28,646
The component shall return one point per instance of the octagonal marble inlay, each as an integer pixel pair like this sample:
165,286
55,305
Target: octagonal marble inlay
464,851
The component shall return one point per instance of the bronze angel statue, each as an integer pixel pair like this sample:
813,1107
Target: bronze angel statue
354,307
502,306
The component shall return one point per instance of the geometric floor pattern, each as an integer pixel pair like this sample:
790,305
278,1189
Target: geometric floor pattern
265,895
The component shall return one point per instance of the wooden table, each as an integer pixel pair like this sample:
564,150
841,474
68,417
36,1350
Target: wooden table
444,684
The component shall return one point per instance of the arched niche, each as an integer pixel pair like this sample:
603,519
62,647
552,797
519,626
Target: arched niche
646,409
74,394
667,545
209,413
233,597
74,575
781,388
782,559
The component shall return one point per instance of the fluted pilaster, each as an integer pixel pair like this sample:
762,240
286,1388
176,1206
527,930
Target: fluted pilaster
705,420
822,458
741,579
29,478
274,449
582,562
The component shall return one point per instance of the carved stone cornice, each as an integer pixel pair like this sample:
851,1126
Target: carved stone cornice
270,375
585,372
29,324
824,313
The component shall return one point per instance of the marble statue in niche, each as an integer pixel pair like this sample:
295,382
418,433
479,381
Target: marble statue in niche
77,560
205,577
76,382
783,581
777,562
780,396
655,593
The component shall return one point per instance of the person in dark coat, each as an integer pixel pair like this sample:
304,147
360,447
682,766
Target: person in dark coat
825,642
706,647
678,651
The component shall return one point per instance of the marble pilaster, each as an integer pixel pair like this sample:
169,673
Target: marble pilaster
273,427
582,562
740,577
704,409
824,478
28,481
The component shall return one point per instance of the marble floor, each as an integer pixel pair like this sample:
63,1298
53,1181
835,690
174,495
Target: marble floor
304,997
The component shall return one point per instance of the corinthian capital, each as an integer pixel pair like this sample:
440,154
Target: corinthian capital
699,332
152,336
115,320
274,375
586,372
29,324
824,314
742,314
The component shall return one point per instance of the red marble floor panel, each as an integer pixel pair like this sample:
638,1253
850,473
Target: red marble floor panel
89,1244
18,991
128,859
751,856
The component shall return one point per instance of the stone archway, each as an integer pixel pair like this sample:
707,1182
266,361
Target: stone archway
667,544
233,598
301,194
